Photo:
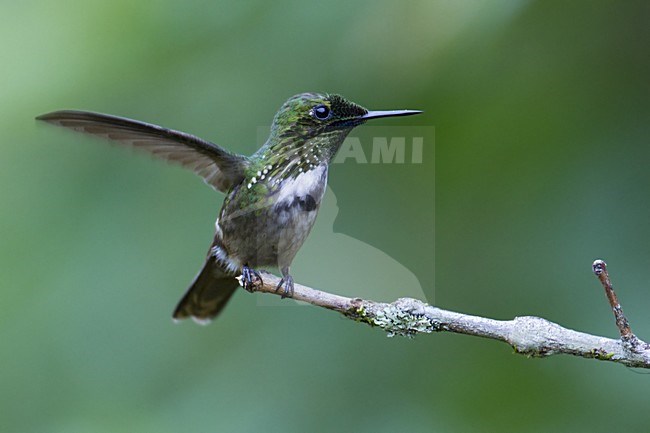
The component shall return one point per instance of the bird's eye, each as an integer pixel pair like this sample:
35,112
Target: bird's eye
321,112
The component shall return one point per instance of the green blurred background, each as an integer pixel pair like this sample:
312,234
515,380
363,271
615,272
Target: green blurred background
540,111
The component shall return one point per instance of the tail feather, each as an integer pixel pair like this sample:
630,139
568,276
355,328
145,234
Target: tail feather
207,295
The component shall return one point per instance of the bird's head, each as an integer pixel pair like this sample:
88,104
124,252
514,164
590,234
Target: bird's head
320,120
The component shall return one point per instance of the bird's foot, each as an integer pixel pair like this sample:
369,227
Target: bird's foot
250,279
287,282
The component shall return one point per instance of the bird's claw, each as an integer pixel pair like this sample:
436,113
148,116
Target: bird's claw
250,279
287,282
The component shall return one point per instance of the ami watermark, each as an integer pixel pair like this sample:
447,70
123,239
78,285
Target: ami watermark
384,150
383,145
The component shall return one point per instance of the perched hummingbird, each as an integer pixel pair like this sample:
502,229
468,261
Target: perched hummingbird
272,197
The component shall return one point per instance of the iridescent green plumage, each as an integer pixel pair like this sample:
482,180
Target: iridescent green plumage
299,141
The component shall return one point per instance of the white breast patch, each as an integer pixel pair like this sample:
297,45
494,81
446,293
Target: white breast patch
307,183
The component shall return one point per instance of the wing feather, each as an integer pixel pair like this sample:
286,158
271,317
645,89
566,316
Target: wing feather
218,167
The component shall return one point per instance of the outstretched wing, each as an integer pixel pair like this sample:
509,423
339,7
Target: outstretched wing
218,167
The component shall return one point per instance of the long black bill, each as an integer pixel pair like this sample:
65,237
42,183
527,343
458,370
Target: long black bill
388,113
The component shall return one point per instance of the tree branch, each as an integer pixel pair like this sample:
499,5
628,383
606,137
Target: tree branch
627,337
528,335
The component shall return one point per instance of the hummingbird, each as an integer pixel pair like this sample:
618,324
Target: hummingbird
272,197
